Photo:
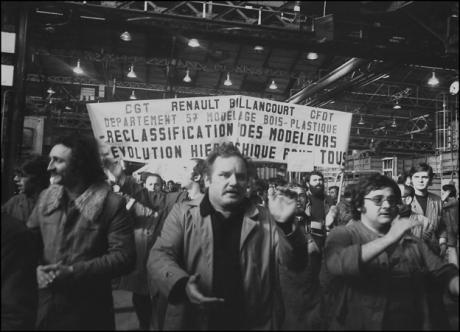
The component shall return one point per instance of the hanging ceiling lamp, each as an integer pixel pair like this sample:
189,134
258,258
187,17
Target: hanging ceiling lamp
312,56
131,73
193,42
258,48
433,81
297,6
133,96
77,69
393,124
50,91
126,36
187,77
228,82
273,85
396,106
361,121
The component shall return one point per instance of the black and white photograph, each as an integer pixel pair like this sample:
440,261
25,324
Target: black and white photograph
229,165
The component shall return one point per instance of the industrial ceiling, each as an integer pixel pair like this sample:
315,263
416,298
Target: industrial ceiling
370,56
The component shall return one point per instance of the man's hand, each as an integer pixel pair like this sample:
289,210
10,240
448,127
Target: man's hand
443,249
53,272
400,226
194,294
281,207
44,276
331,216
114,166
445,195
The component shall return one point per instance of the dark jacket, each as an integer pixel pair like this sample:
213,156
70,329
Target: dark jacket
95,236
358,293
19,206
19,286
435,229
450,208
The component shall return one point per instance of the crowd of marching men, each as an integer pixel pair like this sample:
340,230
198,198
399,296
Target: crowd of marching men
219,249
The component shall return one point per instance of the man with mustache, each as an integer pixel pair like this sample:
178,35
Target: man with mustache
217,258
87,240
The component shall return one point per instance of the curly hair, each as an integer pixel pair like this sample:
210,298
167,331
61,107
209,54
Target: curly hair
225,150
318,173
85,160
370,183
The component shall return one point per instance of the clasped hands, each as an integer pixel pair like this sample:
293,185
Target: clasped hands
48,274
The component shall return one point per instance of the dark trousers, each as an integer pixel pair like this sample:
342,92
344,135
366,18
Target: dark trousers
143,307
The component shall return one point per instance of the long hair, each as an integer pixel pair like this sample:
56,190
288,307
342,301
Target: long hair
85,160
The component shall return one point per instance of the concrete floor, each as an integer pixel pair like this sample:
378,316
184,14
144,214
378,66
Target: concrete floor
125,317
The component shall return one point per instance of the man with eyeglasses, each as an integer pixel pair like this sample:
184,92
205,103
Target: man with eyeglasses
379,269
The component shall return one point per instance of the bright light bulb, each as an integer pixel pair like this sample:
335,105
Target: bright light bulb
361,121
187,77
433,81
228,82
131,73
273,85
397,106
126,36
193,42
50,91
77,69
133,96
312,56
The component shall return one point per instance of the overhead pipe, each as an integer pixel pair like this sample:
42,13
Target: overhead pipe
357,82
330,78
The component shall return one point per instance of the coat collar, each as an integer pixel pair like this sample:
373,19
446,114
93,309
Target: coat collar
205,206
250,218
89,203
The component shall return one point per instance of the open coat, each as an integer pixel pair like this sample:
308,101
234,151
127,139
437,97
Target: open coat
185,247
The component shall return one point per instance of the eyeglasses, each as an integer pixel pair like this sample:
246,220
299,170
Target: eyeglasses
379,199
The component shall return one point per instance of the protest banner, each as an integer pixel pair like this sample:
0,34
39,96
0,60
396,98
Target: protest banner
182,128
300,161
